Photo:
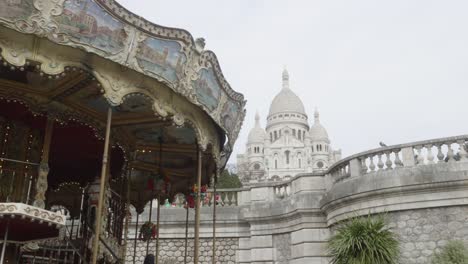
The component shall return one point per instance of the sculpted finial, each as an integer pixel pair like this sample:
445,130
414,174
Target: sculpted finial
285,78
316,115
257,119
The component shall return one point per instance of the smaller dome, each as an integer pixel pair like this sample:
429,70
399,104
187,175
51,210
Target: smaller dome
257,134
317,131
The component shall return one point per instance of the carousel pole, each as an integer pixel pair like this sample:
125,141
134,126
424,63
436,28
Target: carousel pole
127,208
197,209
149,220
43,171
136,237
159,205
102,188
2,257
186,229
157,235
214,215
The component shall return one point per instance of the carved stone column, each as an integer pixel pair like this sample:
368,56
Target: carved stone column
43,170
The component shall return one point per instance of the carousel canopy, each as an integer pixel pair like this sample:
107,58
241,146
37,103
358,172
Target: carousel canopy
72,60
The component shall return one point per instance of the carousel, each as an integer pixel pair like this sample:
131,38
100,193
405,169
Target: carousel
101,110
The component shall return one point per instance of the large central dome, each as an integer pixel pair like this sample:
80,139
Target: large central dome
286,101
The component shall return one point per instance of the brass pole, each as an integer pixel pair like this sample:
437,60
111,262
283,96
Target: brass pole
127,210
102,188
197,210
2,257
159,203
214,215
43,170
149,220
186,229
159,229
136,236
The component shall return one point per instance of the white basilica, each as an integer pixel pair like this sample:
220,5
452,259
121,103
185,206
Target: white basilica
288,145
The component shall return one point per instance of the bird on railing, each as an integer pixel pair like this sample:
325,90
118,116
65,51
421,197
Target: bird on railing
382,144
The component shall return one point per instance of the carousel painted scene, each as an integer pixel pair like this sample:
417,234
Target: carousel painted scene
103,113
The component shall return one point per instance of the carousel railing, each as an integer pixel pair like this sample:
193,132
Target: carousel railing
61,250
17,180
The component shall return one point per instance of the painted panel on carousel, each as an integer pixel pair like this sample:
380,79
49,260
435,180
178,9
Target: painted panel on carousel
171,135
230,115
13,10
207,88
86,22
90,98
162,57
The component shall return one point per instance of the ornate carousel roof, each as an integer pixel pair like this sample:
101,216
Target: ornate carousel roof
73,59
106,29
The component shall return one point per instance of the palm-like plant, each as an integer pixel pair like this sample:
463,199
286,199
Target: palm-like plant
454,252
364,240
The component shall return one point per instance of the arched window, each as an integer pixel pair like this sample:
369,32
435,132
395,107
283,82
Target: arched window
299,163
299,134
276,163
312,148
303,134
294,132
276,135
287,156
271,137
256,166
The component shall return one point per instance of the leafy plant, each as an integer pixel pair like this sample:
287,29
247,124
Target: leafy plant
364,240
228,180
454,252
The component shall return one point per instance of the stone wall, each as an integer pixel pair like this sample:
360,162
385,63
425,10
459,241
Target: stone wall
422,232
282,248
172,251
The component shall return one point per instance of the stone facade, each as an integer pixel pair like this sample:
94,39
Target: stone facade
282,248
172,251
287,146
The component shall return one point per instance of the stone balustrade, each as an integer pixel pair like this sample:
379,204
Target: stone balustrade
421,186
449,149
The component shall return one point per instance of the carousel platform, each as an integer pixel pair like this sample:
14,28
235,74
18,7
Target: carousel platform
26,223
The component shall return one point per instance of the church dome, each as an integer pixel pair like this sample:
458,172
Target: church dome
286,101
317,131
257,134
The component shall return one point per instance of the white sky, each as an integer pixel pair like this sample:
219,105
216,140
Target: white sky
392,71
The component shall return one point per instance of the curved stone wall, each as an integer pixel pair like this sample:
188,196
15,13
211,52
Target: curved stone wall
421,186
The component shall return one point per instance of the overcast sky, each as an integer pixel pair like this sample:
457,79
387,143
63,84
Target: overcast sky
392,71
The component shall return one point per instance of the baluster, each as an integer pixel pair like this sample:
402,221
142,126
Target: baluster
380,163
229,195
398,162
234,199
420,159
388,162
440,154
212,198
363,165
371,165
430,156
225,200
450,154
462,151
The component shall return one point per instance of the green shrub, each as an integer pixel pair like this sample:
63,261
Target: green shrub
364,240
452,253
